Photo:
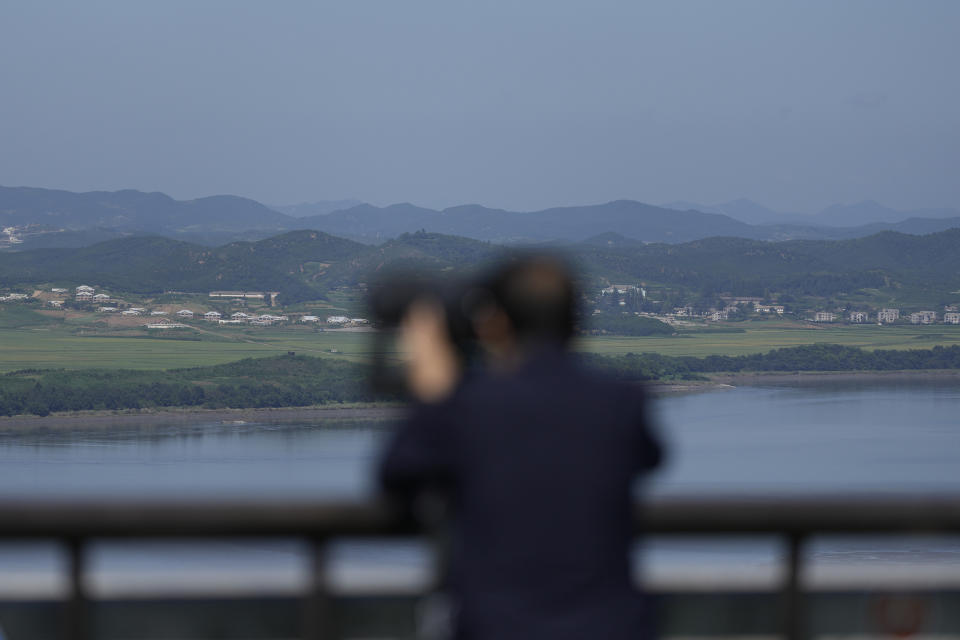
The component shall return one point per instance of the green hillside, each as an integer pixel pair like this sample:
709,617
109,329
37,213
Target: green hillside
801,267
289,263
305,265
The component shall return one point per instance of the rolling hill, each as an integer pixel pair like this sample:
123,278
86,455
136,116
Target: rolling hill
66,219
306,264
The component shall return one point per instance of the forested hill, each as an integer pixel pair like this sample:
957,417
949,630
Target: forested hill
294,264
306,264
301,265
750,267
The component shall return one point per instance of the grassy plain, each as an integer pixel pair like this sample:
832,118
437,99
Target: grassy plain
766,335
29,340
51,348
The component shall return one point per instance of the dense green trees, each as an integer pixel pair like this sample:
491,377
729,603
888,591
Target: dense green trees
817,357
290,381
626,324
285,381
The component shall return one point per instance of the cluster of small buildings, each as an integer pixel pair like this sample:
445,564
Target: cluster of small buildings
343,321
889,316
268,296
724,314
11,297
621,289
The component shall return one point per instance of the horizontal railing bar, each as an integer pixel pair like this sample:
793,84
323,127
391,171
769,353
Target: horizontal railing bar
795,515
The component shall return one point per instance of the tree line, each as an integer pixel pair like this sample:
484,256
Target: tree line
292,381
816,357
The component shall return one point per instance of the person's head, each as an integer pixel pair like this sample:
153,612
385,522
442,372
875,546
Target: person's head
530,301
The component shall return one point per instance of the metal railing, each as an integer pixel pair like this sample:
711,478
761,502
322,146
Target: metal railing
794,518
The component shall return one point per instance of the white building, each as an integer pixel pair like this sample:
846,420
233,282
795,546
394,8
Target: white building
101,297
212,316
310,319
859,317
84,296
619,289
107,310
824,316
359,321
185,313
84,288
55,303
158,313
337,319
719,315
239,315
165,324
769,308
923,317
888,315
58,290
130,312
951,318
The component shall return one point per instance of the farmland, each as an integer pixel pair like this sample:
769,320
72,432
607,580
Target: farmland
765,335
30,340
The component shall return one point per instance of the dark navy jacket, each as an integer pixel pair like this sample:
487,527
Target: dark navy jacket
540,464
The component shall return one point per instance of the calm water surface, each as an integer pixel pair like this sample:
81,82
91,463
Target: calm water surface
838,437
854,437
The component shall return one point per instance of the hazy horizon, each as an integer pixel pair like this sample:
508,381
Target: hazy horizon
796,106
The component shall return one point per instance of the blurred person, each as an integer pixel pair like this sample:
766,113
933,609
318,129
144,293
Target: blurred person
537,456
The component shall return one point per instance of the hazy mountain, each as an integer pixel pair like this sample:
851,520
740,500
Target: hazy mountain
319,208
860,213
131,210
856,216
632,219
869,212
69,219
741,209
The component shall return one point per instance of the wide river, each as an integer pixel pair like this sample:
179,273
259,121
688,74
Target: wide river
833,437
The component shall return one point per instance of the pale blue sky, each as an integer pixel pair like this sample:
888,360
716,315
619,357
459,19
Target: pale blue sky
519,105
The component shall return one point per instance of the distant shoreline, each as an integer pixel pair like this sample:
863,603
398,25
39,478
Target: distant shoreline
175,415
748,378
727,381
182,415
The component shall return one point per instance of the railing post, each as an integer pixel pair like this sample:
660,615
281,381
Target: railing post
75,619
794,604
316,603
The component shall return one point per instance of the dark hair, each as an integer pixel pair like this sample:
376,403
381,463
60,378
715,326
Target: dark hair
536,292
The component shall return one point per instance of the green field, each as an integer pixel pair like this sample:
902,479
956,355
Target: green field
767,335
36,344
55,348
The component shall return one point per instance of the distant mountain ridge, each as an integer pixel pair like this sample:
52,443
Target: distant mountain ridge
66,219
859,214
633,219
319,208
131,210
